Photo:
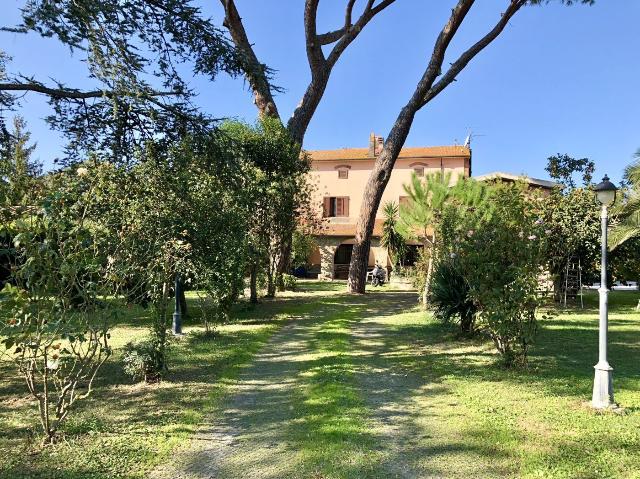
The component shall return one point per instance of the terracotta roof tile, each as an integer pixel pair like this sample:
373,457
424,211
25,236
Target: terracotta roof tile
410,152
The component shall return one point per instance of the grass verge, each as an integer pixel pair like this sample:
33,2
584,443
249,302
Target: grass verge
125,429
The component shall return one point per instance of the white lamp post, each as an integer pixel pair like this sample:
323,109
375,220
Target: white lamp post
603,382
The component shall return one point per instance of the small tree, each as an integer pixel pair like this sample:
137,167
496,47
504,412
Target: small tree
392,239
563,168
426,210
572,225
571,218
55,325
302,246
18,171
184,211
427,200
499,249
279,196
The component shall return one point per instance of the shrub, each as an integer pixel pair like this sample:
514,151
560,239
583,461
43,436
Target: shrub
302,246
144,360
290,282
450,296
499,252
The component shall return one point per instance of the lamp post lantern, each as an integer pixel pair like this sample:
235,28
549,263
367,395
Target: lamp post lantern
603,381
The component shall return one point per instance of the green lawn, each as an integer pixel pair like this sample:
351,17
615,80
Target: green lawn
351,387
125,429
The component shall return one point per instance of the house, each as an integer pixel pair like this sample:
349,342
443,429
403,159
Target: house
543,186
340,176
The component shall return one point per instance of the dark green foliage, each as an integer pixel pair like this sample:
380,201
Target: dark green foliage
302,247
624,261
290,282
136,53
563,167
450,296
277,190
6,101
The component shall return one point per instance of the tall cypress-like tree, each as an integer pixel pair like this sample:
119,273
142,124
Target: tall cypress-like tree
17,168
137,53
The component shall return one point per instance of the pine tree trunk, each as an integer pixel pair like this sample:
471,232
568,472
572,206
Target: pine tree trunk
427,283
271,285
376,184
357,280
253,284
284,260
425,91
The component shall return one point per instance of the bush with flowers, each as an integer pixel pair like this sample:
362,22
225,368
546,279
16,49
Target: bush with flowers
498,248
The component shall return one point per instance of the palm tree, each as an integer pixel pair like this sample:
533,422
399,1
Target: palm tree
629,210
391,238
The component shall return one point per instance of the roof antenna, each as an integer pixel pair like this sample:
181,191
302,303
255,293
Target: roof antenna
470,136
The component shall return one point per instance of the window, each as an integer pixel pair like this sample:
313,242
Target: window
335,206
418,168
343,171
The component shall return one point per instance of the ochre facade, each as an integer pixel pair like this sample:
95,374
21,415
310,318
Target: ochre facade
339,178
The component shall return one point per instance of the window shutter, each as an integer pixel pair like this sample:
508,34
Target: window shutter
326,207
346,206
339,206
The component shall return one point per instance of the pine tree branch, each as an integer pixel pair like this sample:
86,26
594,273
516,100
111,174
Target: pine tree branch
72,93
467,56
254,71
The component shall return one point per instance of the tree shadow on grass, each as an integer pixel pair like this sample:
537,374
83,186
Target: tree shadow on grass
298,410
120,408
312,380
418,354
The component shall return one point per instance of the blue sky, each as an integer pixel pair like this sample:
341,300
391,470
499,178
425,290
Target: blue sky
559,79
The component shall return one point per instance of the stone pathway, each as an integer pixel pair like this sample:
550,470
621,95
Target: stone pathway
250,436
247,439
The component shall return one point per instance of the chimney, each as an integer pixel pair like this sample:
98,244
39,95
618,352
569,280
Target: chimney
372,144
378,146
